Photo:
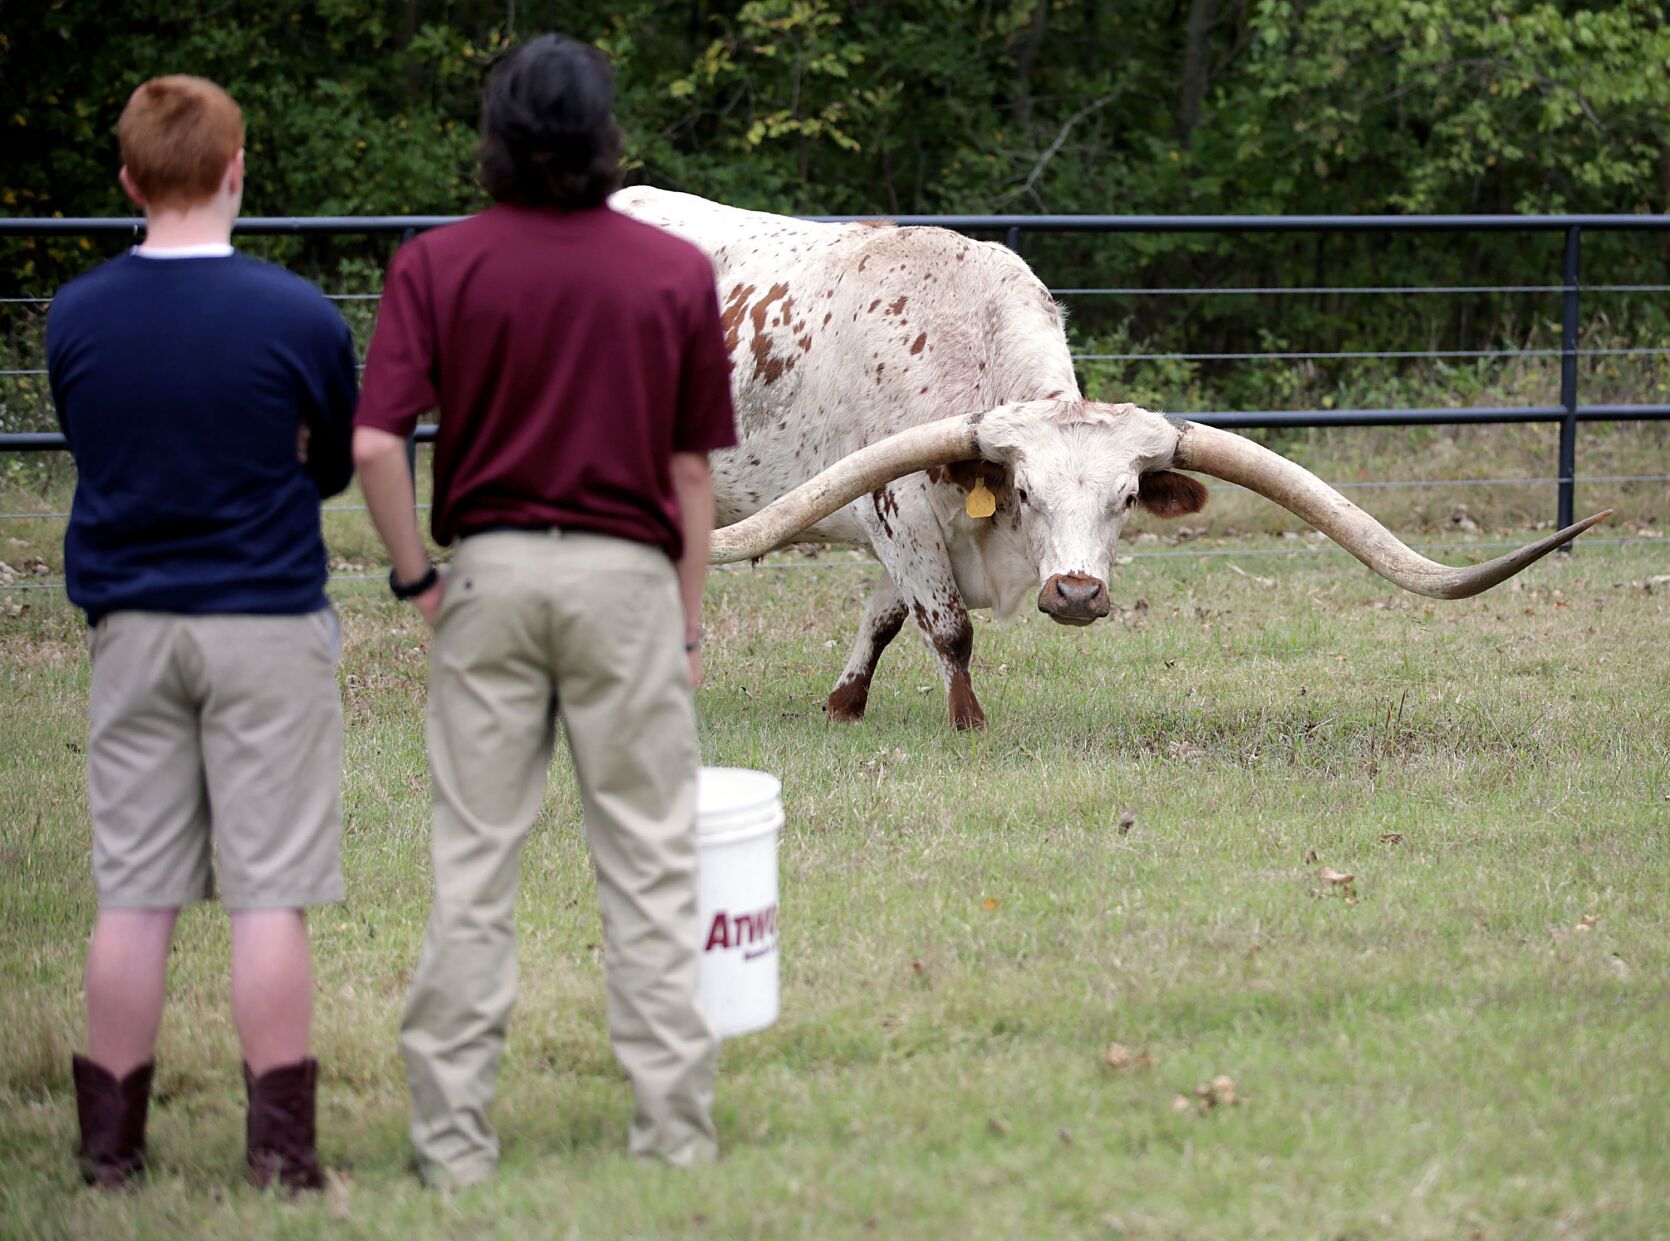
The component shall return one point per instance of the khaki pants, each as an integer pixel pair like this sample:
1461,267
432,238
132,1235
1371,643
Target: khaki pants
215,752
535,625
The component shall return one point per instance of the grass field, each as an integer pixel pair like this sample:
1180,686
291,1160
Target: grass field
1470,1039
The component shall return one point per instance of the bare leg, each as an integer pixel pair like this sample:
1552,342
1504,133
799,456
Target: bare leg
272,986
127,972
884,616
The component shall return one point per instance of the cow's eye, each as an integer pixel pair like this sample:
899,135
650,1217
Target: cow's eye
1131,500
1021,492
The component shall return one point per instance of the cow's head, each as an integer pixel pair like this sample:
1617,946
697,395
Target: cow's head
1067,475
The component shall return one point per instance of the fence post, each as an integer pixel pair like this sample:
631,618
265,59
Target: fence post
1568,380
1012,238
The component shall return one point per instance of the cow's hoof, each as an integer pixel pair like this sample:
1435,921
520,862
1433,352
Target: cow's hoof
966,714
846,704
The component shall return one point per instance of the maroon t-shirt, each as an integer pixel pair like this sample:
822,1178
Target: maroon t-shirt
569,356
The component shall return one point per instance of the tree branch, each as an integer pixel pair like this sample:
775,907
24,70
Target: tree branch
1054,148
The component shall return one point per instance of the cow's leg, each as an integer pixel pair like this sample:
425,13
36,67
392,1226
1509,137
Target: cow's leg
906,539
950,636
884,616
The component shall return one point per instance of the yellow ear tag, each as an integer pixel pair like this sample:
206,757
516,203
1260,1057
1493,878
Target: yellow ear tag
981,502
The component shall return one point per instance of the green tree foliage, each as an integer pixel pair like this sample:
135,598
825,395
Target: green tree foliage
908,106
901,106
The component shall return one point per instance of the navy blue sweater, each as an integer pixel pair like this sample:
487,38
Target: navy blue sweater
181,384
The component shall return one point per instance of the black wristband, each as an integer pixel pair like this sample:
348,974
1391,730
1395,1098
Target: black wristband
413,589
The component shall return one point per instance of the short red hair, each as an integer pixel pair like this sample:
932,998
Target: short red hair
178,134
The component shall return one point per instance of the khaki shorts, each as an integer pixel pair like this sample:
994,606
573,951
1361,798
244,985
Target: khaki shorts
222,729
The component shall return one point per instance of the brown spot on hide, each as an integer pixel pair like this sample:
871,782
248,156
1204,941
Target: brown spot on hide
872,306
1165,493
898,306
828,315
886,506
735,307
806,344
764,363
760,310
918,343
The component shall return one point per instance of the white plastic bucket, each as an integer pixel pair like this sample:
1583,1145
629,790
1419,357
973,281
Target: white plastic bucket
738,813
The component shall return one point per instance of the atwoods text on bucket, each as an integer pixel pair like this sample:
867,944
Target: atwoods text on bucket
744,931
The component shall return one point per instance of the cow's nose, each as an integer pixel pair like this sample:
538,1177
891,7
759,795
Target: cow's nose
1073,599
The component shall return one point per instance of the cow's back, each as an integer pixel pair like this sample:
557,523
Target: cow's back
840,334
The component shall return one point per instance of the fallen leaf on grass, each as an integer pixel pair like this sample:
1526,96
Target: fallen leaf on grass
1329,875
996,1127
1119,1057
1392,838
1265,582
1127,821
1620,969
1586,922
1219,1092
991,902
338,1199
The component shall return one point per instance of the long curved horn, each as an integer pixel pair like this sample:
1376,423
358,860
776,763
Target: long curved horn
1239,460
933,443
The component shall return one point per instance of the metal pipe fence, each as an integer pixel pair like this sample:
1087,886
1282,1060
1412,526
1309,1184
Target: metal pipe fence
1569,413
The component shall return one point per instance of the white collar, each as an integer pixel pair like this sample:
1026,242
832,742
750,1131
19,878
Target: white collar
210,250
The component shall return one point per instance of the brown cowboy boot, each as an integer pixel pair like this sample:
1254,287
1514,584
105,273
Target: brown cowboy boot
280,1133
112,1116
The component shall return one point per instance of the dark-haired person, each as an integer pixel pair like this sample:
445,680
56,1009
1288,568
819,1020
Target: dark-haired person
579,367
186,378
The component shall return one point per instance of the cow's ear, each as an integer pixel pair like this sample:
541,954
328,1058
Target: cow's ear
965,474
1165,493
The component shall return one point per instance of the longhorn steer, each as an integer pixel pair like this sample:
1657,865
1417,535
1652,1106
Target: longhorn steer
857,352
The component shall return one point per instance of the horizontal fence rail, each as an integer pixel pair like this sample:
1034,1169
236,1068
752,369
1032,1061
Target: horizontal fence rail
1568,413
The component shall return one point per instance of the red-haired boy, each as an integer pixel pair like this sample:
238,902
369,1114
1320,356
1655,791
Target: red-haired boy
207,399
